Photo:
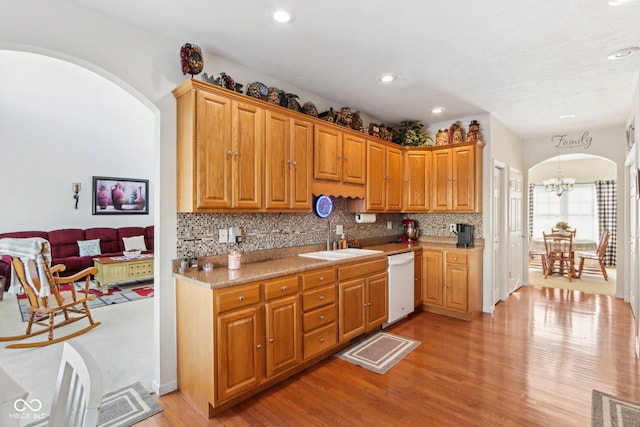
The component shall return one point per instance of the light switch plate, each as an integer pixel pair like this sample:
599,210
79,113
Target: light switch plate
223,235
339,229
389,225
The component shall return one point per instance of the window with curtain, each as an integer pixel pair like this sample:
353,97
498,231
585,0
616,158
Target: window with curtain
578,208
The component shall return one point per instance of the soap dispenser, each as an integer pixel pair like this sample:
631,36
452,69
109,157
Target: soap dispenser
343,242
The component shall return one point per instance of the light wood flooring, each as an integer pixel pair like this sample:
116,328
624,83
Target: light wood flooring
534,362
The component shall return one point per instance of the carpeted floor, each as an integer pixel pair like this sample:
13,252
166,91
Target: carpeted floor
611,411
590,283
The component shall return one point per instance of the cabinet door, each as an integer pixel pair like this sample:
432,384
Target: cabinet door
441,172
301,164
417,166
463,166
377,300
456,287
376,176
354,155
213,152
277,161
327,154
239,352
283,333
351,303
417,279
394,180
433,283
248,134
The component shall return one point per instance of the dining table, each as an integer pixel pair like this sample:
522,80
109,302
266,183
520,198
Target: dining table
579,245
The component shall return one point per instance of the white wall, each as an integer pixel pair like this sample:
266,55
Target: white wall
53,134
583,170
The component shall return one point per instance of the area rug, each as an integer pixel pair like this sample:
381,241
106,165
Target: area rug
122,408
116,295
380,352
610,411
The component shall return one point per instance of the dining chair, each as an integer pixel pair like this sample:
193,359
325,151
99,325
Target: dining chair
535,253
78,394
567,231
598,256
559,248
50,296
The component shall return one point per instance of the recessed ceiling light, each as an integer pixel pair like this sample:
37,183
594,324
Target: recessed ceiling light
623,53
567,116
283,16
386,78
618,2
438,110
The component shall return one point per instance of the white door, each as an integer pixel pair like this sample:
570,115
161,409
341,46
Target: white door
632,226
516,233
499,287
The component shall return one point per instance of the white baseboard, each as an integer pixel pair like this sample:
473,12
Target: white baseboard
164,388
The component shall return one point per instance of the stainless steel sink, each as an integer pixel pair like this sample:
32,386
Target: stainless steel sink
339,254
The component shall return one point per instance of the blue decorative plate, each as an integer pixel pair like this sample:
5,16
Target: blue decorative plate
323,206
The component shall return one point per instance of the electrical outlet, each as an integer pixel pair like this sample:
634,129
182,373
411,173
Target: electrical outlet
339,229
223,235
452,228
389,225
235,235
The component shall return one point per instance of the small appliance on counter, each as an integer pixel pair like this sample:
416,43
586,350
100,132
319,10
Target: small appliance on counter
409,231
465,235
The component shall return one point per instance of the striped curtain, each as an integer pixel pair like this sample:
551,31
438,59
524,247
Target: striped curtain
531,187
606,198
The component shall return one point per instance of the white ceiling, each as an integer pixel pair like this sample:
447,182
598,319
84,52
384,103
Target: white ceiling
527,63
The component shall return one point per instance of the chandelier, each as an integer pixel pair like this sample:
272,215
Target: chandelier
559,184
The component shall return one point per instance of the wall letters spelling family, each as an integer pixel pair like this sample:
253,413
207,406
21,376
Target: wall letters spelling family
562,141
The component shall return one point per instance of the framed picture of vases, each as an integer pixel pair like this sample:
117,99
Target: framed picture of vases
120,196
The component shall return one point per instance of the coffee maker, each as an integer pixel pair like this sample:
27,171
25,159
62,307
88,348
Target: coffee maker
465,235
409,231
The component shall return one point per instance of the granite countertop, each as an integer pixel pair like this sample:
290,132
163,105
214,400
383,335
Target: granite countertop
220,276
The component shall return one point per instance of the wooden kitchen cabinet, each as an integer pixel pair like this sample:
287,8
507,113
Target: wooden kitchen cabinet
283,329
219,151
456,174
453,282
363,298
319,319
384,180
417,279
288,165
417,173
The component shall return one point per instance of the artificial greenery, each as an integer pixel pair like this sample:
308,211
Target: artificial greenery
562,225
412,133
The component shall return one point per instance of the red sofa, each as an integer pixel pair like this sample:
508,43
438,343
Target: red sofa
65,250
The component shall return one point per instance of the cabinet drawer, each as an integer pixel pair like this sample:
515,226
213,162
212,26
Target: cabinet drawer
320,340
319,317
141,269
281,287
236,297
456,258
362,269
318,297
316,278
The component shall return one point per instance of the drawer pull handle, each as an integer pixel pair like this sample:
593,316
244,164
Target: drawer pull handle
241,298
271,340
284,288
455,258
321,297
321,278
322,317
321,339
259,346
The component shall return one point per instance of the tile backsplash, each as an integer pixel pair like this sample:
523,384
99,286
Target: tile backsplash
198,232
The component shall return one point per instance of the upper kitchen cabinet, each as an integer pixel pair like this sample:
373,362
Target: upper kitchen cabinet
416,192
384,180
456,174
219,150
288,143
338,162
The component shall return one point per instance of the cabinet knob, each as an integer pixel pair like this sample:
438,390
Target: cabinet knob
240,298
236,154
271,340
321,278
321,297
288,162
322,317
455,258
259,346
321,339
229,152
346,158
294,163
284,288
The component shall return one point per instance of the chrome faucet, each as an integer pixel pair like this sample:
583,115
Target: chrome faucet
328,234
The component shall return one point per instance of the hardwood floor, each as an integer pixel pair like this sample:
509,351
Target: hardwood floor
534,362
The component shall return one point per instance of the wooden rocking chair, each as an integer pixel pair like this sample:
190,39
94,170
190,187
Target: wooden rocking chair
30,259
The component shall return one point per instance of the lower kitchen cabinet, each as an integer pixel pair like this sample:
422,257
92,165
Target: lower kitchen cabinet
453,282
417,279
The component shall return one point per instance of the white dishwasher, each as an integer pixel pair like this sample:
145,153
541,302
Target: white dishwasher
400,270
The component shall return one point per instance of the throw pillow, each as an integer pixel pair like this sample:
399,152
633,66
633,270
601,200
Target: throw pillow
89,247
135,242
